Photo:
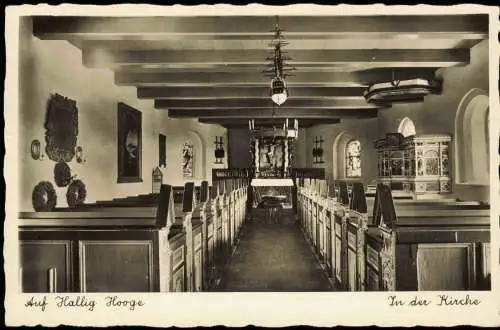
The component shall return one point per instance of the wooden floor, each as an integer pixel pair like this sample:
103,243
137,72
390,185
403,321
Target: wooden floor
273,257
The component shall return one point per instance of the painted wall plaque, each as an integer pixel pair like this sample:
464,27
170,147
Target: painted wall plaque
61,128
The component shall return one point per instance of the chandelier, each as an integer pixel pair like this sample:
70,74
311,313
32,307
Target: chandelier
277,68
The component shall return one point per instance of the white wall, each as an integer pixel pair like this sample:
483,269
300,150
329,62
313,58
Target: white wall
47,67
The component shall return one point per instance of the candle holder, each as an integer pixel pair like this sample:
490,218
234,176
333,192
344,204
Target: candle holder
219,150
317,151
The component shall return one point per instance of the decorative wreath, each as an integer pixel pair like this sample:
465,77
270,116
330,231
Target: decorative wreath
44,197
62,174
76,193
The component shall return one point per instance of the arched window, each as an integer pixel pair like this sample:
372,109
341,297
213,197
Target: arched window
353,159
188,159
471,139
406,127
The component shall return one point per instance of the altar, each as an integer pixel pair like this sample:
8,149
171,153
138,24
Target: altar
272,191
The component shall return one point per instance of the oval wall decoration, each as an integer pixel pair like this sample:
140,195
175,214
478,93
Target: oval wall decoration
36,149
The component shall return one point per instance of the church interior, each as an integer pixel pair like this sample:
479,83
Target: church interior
254,153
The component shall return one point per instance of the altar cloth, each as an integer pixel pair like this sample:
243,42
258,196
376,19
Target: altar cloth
272,183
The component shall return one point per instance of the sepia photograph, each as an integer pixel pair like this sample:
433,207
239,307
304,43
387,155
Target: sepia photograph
267,152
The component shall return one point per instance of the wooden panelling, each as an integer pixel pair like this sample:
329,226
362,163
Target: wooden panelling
372,257
116,266
338,260
406,274
178,257
210,250
164,267
197,242
37,257
486,266
351,240
178,280
372,279
351,270
198,271
328,247
445,266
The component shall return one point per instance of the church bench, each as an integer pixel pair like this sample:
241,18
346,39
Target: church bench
340,230
111,249
188,241
418,246
334,224
224,213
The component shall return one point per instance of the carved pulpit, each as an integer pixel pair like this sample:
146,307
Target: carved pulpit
416,166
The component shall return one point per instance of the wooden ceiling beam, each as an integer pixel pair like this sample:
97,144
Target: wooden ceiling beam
348,41
243,122
244,92
253,79
98,58
63,27
309,113
249,103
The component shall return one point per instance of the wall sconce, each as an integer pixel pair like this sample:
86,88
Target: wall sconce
79,155
37,150
219,150
317,151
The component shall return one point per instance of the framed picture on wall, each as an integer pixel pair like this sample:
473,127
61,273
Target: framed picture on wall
162,150
129,144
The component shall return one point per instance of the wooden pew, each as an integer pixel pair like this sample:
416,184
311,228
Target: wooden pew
225,214
204,212
199,236
322,205
425,246
193,227
339,224
214,235
357,224
330,206
219,230
334,222
103,249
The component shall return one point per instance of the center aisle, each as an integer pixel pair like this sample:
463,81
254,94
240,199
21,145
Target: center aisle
273,257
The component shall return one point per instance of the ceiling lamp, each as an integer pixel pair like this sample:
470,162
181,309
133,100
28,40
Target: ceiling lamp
401,91
277,68
279,93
